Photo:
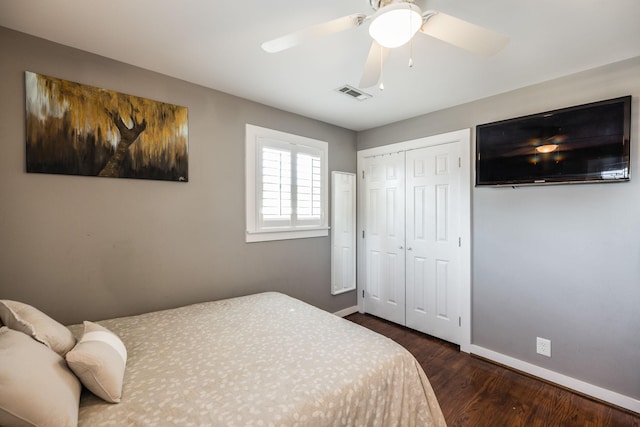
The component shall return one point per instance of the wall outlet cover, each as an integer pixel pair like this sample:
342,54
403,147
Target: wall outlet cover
543,346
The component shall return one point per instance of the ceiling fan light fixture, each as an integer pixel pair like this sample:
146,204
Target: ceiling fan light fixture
547,148
395,24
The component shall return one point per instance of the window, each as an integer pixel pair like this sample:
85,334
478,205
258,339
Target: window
286,186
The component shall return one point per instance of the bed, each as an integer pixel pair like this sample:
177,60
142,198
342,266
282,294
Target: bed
260,360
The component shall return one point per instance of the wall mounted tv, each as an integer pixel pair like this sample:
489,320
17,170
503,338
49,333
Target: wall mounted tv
580,144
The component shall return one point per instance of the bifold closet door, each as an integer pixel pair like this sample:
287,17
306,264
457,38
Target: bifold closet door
432,240
384,236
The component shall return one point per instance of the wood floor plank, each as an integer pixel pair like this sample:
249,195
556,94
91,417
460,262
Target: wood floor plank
476,393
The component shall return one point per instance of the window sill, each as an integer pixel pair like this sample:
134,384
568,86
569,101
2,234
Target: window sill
266,236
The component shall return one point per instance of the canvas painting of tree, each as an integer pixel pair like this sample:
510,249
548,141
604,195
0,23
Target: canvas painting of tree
76,129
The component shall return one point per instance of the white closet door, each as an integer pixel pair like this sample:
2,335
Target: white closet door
384,239
432,241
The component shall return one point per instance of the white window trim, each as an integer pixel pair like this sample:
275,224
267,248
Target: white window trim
253,231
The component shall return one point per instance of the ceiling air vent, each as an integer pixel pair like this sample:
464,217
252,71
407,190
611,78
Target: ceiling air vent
353,92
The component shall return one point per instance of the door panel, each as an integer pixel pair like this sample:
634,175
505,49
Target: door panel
384,238
432,232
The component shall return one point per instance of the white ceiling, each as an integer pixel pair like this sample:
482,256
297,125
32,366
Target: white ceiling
216,44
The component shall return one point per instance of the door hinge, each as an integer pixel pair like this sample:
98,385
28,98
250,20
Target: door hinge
362,174
459,321
363,293
459,242
363,234
459,162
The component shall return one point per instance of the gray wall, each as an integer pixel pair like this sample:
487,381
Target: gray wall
559,262
90,248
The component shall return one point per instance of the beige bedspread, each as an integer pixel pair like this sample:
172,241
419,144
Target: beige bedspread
261,360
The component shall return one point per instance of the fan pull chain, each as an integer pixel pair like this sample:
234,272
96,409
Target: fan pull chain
410,45
411,53
381,87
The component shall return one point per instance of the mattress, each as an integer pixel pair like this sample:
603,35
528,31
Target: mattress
261,360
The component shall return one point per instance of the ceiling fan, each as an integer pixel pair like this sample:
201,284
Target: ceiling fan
393,24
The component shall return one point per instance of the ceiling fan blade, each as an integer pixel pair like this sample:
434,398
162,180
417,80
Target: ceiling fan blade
313,32
373,65
463,34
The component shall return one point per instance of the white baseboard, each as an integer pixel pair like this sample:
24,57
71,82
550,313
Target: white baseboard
347,311
600,393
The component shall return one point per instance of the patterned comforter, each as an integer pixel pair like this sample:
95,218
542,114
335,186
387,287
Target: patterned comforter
261,360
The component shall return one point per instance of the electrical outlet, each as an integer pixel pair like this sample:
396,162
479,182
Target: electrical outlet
543,346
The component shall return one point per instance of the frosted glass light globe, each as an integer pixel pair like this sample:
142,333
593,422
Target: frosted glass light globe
395,24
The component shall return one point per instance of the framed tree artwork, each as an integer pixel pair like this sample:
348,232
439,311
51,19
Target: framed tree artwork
75,129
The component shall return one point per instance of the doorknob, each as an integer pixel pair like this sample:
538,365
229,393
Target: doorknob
409,249
400,247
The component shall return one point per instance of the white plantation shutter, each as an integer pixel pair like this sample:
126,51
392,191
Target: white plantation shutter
308,187
286,186
276,185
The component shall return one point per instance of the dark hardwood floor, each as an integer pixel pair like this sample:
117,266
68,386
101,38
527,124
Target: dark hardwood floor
474,392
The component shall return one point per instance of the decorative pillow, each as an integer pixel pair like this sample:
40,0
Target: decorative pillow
99,360
25,318
36,387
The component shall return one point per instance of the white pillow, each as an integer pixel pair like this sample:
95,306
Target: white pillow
99,361
36,387
25,318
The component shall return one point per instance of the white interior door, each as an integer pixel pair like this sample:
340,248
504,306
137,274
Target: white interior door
384,237
426,285
433,179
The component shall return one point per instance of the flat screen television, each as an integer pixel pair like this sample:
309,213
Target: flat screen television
580,144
